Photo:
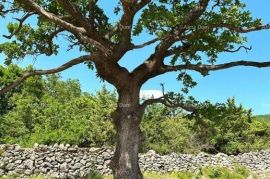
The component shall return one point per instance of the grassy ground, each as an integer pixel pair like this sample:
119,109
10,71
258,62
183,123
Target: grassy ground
206,173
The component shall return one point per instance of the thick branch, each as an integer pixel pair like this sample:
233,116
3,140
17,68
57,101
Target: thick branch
78,31
28,74
204,69
75,12
130,7
244,30
35,7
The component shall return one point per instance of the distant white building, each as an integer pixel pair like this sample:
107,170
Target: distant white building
150,94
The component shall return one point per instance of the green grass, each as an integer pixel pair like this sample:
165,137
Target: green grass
239,172
205,173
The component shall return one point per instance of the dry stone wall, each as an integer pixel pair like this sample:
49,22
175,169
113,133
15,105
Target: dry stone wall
65,161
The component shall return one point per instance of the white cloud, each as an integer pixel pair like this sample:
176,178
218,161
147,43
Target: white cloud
148,94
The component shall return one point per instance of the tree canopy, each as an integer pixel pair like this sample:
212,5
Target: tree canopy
183,31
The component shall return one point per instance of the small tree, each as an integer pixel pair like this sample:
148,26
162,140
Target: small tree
181,30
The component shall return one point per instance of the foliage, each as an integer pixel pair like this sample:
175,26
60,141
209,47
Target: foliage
58,112
223,173
7,75
50,110
204,173
93,175
222,127
225,127
165,130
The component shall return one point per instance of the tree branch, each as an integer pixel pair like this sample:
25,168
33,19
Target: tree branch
3,12
21,21
173,36
130,7
205,69
78,31
51,37
243,30
145,44
238,49
168,103
152,65
28,74
75,13
35,7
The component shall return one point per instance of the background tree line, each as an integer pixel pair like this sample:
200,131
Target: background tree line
49,110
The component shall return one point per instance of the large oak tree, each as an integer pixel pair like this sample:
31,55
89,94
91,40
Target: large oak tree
182,30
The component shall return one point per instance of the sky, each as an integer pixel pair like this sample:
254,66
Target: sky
249,86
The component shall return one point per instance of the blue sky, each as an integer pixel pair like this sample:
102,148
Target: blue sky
249,86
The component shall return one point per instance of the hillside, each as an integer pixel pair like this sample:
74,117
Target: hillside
263,117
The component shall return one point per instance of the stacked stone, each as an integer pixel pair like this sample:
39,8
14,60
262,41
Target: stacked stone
58,161
65,161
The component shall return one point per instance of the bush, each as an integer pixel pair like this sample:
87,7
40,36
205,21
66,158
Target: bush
224,173
222,127
60,113
93,175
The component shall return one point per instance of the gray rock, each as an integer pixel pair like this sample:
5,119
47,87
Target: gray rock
83,162
18,162
2,164
29,164
17,147
61,146
2,172
151,152
48,159
77,166
36,145
10,166
73,162
28,172
106,155
64,167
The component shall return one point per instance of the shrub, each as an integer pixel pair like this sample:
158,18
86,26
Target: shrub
224,173
93,175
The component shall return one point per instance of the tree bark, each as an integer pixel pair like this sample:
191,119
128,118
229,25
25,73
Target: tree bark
127,119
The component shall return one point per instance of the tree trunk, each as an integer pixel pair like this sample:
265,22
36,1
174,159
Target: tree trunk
127,119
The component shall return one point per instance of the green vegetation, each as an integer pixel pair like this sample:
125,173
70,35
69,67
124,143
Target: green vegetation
58,112
33,177
204,173
265,118
50,110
